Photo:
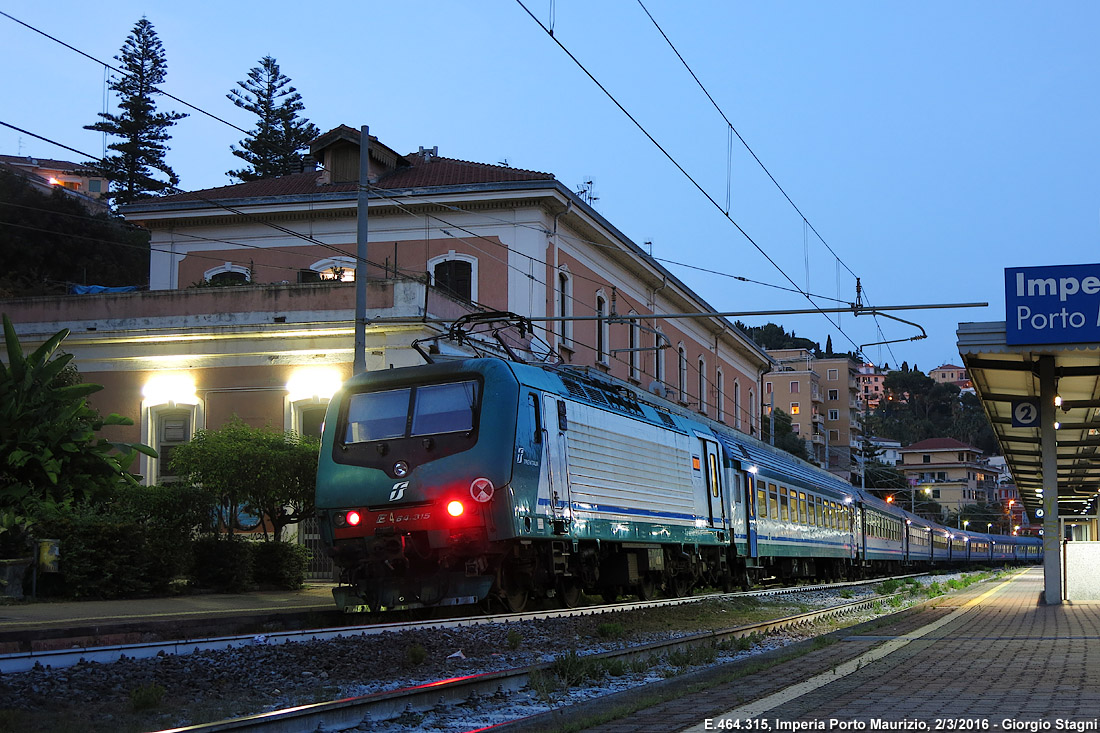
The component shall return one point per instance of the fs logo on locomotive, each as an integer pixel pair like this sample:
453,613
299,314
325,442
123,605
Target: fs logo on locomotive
398,490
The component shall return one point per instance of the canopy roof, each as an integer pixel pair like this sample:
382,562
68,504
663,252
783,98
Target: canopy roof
1004,375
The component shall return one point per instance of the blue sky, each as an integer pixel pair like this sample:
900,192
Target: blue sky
930,144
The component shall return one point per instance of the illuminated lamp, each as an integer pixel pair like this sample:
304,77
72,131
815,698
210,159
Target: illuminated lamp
354,518
173,388
455,508
318,383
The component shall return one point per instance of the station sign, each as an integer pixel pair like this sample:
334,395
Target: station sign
1058,304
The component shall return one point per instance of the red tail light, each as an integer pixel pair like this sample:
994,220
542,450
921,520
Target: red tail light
354,518
455,508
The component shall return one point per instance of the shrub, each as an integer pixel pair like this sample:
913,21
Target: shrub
280,565
146,697
222,563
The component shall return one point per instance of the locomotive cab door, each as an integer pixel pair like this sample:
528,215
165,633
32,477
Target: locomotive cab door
555,423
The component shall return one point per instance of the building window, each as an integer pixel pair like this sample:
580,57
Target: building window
601,330
834,394
795,428
170,414
565,308
935,493
926,459
308,393
333,269
767,387
834,374
455,274
962,457
228,274
794,387
737,404
834,437
658,357
632,346
702,386
682,368
795,409
834,414
752,411
719,383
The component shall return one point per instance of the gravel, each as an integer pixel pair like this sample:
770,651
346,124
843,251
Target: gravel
168,691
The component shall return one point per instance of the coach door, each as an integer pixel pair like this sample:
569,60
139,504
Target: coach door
555,425
750,509
712,478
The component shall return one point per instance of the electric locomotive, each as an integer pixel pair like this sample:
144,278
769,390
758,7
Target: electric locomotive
485,478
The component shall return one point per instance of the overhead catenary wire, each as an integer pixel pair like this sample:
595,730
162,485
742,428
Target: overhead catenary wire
672,159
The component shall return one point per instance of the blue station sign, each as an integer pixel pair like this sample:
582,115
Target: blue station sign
1057,304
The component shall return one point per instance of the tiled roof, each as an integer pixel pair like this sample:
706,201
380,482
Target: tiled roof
424,172
939,444
50,163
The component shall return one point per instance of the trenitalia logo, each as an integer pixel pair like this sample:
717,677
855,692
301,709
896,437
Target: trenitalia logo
398,490
1052,305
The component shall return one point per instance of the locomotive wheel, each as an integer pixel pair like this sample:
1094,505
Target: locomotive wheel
515,600
647,588
569,591
680,586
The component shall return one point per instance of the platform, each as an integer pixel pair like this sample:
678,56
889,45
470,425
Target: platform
34,626
992,657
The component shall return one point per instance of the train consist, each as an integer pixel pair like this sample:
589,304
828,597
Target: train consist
484,478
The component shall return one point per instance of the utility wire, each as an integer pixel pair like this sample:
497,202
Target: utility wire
680,167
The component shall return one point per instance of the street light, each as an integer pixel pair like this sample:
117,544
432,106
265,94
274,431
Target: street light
988,527
965,524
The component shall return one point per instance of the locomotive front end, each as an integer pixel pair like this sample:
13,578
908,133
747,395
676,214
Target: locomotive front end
412,483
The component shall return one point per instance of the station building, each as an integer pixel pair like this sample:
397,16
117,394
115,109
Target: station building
250,305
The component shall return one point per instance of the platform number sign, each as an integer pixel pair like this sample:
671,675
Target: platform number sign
1025,413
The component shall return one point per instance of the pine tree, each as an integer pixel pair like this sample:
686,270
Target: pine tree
274,145
143,130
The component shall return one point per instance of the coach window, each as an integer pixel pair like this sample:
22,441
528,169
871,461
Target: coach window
773,501
784,514
762,499
803,515
813,509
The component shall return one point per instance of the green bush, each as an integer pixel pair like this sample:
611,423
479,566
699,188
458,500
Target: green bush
279,565
222,563
130,544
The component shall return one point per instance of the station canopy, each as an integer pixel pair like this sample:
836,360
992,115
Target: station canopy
1005,376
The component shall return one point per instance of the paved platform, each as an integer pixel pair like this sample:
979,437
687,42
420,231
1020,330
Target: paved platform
990,658
35,625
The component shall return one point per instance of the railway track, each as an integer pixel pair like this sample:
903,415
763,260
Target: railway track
372,709
62,658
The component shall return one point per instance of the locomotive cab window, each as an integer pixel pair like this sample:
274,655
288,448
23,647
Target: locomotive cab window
410,412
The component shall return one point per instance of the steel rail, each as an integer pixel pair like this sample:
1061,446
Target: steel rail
61,658
355,711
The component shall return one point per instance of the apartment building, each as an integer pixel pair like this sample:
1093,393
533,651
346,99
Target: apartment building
871,388
951,472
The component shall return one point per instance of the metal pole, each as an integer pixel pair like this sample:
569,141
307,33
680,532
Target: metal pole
359,359
1052,559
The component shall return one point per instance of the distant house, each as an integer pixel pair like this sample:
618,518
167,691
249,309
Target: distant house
952,374
950,472
47,174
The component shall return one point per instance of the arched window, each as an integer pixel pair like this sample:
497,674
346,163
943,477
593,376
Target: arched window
565,308
227,274
601,329
658,357
752,413
737,404
682,369
455,274
702,386
337,269
633,346
720,388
